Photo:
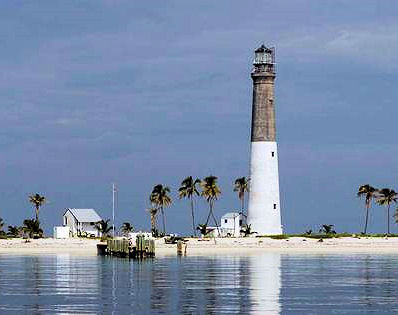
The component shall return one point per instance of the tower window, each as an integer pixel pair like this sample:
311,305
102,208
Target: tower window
272,153
226,221
275,206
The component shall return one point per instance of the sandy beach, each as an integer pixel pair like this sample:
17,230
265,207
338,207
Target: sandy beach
219,246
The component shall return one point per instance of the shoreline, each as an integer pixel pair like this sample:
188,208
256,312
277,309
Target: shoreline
213,247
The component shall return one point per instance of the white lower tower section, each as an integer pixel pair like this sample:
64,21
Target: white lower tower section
264,213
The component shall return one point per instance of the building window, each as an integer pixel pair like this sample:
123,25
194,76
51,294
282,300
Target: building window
240,222
66,220
274,205
225,220
272,153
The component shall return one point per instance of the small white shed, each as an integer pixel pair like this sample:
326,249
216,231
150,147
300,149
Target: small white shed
61,232
81,221
231,224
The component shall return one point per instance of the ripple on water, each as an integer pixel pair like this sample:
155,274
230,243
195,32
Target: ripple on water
268,283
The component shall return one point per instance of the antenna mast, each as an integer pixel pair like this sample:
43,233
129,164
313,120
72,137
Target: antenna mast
113,209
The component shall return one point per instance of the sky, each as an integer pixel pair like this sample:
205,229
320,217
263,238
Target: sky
145,92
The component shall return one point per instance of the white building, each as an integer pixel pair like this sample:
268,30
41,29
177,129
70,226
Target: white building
231,224
81,221
61,232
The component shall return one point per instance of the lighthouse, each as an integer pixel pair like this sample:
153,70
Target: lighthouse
264,211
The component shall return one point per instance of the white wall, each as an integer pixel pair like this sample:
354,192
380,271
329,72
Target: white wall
70,221
264,205
232,225
61,231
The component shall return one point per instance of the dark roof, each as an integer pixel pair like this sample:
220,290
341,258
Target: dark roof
262,48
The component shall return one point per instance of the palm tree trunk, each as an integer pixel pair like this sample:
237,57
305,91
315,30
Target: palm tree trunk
193,218
163,220
37,213
366,218
215,221
243,203
388,219
210,211
153,223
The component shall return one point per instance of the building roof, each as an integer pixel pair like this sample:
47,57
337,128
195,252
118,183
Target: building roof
230,215
84,215
262,48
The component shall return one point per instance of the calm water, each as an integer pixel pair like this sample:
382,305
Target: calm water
264,284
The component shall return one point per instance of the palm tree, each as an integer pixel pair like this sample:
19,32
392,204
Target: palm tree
160,198
385,197
37,201
241,186
103,227
369,193
2,233
126,228
247,230
203,229
14,231
153,212
32,228
327,229
188,190
211,192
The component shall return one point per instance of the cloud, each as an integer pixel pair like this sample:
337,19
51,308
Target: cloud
370,45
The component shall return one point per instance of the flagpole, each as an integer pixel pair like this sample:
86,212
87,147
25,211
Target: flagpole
113,209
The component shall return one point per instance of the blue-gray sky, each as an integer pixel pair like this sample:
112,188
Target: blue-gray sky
140,93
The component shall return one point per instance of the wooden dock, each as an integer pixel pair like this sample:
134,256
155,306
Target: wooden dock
122,247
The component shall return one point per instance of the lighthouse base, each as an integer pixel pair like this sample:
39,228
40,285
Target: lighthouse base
264,213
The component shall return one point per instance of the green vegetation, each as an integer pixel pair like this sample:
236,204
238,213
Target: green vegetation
327,229
211,192
386,197
241,187
15,231
126,228
160,198
2,233
208,188
153,212
247,230
37,201
188,190
203,229
369,193
104,228
31,227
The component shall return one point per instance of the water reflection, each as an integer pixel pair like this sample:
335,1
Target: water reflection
267,283
187,285
265,274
